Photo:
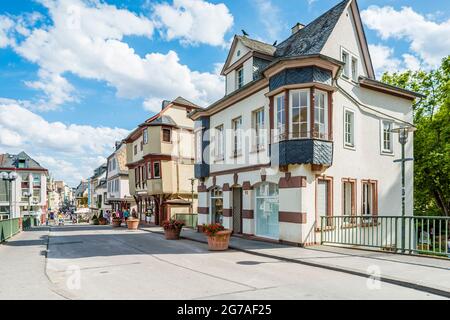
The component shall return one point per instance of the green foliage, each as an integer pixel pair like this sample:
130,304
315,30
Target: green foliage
432,139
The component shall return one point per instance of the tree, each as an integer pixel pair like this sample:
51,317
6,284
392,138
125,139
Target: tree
432,138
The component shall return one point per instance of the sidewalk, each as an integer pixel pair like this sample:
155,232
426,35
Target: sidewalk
25,255
422,273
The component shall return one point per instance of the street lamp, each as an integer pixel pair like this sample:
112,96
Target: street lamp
10,177
403,133
192,193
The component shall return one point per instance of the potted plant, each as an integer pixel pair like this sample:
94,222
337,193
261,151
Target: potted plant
218,236
172,229
116,221
94,220
101,220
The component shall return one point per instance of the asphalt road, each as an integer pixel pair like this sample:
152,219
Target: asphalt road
95,262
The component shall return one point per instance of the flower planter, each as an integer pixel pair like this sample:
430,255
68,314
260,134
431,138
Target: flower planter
220,241
102,222
132,223
116,223
172,234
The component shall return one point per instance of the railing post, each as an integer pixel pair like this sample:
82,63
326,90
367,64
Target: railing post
321,230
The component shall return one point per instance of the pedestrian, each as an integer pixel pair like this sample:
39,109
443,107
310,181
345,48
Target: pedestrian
126,214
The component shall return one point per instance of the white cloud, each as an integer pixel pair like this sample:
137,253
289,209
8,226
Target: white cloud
153,104
6,24
412,62
86,39
383,59
270,17
75,150
428,40
194,21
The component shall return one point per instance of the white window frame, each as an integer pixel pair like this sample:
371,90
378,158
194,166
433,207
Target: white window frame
317,108
153,169
346,69
350,145
308,113
145,136
236,125
389,151
219,150
259,140
199,146
240,78
354,68
279,131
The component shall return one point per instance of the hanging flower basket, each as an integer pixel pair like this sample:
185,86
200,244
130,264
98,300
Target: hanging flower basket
218,236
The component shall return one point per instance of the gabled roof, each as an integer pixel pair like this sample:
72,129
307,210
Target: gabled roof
253,45
12,161
184,102
312,38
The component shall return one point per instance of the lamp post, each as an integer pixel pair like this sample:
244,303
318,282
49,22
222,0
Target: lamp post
403,133
192,194
10,177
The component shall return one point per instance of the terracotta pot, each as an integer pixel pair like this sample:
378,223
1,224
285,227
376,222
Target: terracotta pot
172,234
102,222
116,223
132,223
220,241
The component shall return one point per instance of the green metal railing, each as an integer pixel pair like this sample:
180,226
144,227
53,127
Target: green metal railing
8,228
190,219
422,235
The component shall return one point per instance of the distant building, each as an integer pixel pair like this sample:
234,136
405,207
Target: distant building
81,195
97,191
29,190
118,195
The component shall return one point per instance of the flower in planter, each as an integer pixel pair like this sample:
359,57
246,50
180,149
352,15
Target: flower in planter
173,224
212,229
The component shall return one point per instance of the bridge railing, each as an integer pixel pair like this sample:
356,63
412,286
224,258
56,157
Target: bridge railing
413,235
9,228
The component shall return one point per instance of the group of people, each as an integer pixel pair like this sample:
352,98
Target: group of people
124,215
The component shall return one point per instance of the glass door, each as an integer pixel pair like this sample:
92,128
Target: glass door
267,208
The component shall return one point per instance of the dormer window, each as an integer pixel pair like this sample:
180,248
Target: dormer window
240,78
345,60
354,69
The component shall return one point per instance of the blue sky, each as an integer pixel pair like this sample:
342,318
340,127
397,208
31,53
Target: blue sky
101,88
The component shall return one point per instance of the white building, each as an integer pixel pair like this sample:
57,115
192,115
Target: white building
97,191
320,143
118,190
29,190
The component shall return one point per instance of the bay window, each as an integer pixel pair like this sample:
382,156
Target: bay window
299,113
280,117
198,147
321,115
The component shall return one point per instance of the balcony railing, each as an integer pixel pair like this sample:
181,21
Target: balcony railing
413,235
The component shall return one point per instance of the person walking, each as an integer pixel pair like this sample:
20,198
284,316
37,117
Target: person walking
126,215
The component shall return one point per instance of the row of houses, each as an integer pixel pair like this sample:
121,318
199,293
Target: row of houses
303,131
27,189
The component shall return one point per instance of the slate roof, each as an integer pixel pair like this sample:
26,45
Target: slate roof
163,120
183,101
311,39
257,46
12,161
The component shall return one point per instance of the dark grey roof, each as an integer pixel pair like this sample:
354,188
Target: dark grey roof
163,120
257,46
183,101
12,161
312,38
81,188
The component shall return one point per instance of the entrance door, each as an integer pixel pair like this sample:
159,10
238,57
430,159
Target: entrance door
322,199
237,210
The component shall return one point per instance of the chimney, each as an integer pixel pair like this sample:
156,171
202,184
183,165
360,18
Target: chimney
298,26
165,103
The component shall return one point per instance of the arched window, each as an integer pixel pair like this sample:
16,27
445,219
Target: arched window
216,205
267,206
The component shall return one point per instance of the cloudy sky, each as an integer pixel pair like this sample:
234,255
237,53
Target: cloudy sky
77,75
